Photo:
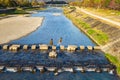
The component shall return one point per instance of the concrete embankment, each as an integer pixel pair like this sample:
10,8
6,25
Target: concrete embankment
112,45
16,27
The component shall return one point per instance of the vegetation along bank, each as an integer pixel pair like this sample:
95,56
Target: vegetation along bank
104,34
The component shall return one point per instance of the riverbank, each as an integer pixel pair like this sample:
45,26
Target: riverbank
94,28
18,11
15,27
106,13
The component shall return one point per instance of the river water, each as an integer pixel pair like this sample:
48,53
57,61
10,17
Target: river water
55,26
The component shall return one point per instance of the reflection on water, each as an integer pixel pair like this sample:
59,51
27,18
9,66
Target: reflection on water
55,25
62,76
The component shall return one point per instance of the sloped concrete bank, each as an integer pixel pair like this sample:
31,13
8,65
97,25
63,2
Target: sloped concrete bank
112,46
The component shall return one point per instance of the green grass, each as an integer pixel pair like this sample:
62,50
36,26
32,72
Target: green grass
115,61
72,7
32,9
105,11
99,36
83,24
2,15
20,11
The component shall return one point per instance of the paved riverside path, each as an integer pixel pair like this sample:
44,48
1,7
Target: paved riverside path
99,17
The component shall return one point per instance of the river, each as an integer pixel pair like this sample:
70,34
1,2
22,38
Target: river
55,25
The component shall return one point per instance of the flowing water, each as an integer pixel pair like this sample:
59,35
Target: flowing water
55,25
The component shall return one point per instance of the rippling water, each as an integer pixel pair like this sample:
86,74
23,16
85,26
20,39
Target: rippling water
55,27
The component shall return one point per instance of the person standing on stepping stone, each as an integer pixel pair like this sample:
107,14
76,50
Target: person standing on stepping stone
51,42
60,41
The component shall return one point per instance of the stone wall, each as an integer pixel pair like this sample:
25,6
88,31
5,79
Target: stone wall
113,32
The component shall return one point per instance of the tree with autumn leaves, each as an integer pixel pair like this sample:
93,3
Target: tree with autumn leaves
19,3
113,4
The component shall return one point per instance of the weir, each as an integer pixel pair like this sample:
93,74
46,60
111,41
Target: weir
17,47
59,70
60,51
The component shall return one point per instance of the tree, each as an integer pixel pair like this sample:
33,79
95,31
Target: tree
106,3
88,3
41,4
5,3
115,4
34,3
98,3
1,5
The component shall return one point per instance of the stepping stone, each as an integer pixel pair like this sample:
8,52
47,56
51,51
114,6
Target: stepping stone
62,47
53,47
5,47
43,47
33,47
82,47
71,47
89,47
14,47
97,47
25,47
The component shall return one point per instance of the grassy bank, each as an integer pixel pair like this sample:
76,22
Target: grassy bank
20,11
105,12
33,9
2,15
115,61
97,35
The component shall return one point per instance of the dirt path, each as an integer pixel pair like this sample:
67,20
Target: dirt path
99,17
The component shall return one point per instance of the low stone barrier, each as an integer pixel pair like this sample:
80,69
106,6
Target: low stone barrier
70,69
43,47
27,69
25,47
1,67
97,48
16,47
62,47
57,70
11,69
82,47
5,47
51,68
40,67
71,47
33,47
53,47
89,47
